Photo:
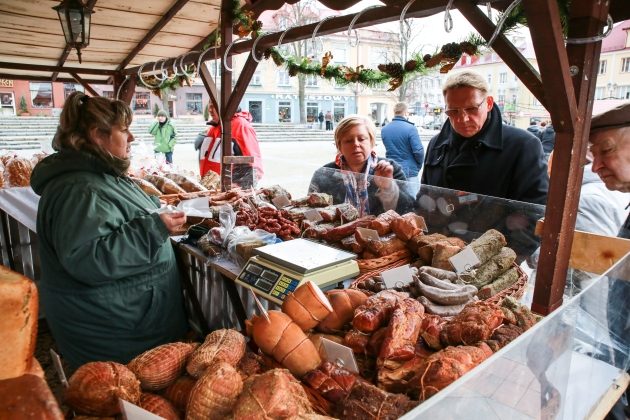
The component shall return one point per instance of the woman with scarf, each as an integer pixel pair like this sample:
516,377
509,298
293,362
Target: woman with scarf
109,285
358,176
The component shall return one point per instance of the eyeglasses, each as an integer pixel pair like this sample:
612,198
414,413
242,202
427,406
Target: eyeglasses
456,112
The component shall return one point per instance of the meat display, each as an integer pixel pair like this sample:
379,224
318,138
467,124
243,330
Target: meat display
367,402
476,322
215,393
402,332
376,311
219,346
382,223
332,381
159,367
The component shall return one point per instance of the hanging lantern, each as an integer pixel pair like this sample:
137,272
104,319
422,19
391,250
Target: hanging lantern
75,22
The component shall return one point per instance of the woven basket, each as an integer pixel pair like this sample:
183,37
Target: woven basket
376,263
516,290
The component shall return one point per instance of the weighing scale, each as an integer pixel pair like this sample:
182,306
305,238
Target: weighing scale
278,269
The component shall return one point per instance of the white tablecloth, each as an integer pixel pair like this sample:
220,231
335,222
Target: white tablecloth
21,204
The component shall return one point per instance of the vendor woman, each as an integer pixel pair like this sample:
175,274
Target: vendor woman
358,176
110,286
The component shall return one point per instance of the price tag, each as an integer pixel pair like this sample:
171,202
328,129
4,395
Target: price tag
397,277
133,412
340,354
59,368
368,233
465,260
281,201
420,222
313,215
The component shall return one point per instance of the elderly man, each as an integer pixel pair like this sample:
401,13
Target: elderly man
610,147
476,152
402,144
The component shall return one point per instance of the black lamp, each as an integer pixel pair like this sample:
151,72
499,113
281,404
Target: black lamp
75,22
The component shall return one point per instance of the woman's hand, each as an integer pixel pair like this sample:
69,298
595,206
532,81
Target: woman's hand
173,221
383,173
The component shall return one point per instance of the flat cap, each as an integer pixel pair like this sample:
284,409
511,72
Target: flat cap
616,117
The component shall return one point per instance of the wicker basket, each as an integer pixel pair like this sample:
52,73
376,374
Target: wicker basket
381,262
516,290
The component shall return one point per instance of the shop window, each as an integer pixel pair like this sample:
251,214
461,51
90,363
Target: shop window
194,103
70,88
284,111
142,103
312,110
339,111
283,78
41,95
7,103
625,65
602,66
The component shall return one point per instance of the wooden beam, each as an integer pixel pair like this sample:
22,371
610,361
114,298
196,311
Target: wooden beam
66,51
85,84
506,50
226,91
249,68
337,24
59,69
124,87
152,32
47,79
211,87
570,84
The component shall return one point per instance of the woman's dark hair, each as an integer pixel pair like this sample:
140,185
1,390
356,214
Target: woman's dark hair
81,114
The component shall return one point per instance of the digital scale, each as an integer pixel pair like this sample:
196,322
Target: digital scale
278,269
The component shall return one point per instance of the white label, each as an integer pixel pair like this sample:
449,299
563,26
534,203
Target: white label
468,198
464,260
281,201
397,277
199,207
368,233
59,368
313,215
133,412
340,354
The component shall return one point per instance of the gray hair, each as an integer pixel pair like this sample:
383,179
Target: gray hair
351,121
400,108
465,79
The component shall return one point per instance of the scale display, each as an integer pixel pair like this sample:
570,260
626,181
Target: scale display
278,269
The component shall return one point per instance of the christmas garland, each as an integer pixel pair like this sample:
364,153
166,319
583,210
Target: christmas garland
393,73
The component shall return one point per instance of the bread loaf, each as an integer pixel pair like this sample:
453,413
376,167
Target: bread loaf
187,183
18,323
307,306
27,397
146,186
164,184
1,175
19,172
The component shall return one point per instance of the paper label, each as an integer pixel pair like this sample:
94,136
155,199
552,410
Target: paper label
59,368
397,277
464,260
281,201
199,207
368,233
340,354
133,412
313,215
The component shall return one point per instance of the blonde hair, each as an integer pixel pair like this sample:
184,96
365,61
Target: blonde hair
352,121
81,114
465,79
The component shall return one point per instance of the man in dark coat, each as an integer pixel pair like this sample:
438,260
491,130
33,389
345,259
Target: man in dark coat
476,152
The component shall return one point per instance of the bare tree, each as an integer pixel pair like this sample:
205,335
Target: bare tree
408,46
301,13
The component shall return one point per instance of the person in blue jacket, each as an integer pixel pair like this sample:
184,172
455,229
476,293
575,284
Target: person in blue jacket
110,285
403,145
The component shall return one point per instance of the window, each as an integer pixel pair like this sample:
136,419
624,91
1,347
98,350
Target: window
312,109
503,77
69,88
535,101
142,103
600,92
256,80
625,65
602,66
623,92
340,55
283,78
284,111
311,80
490,78
109,94
41,95
339,111
194,103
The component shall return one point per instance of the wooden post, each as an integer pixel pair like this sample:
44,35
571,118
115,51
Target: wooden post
124,87
226,87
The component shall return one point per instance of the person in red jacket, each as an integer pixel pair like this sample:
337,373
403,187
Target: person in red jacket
244,143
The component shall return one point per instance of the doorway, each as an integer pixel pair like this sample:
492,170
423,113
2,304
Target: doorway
255,108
